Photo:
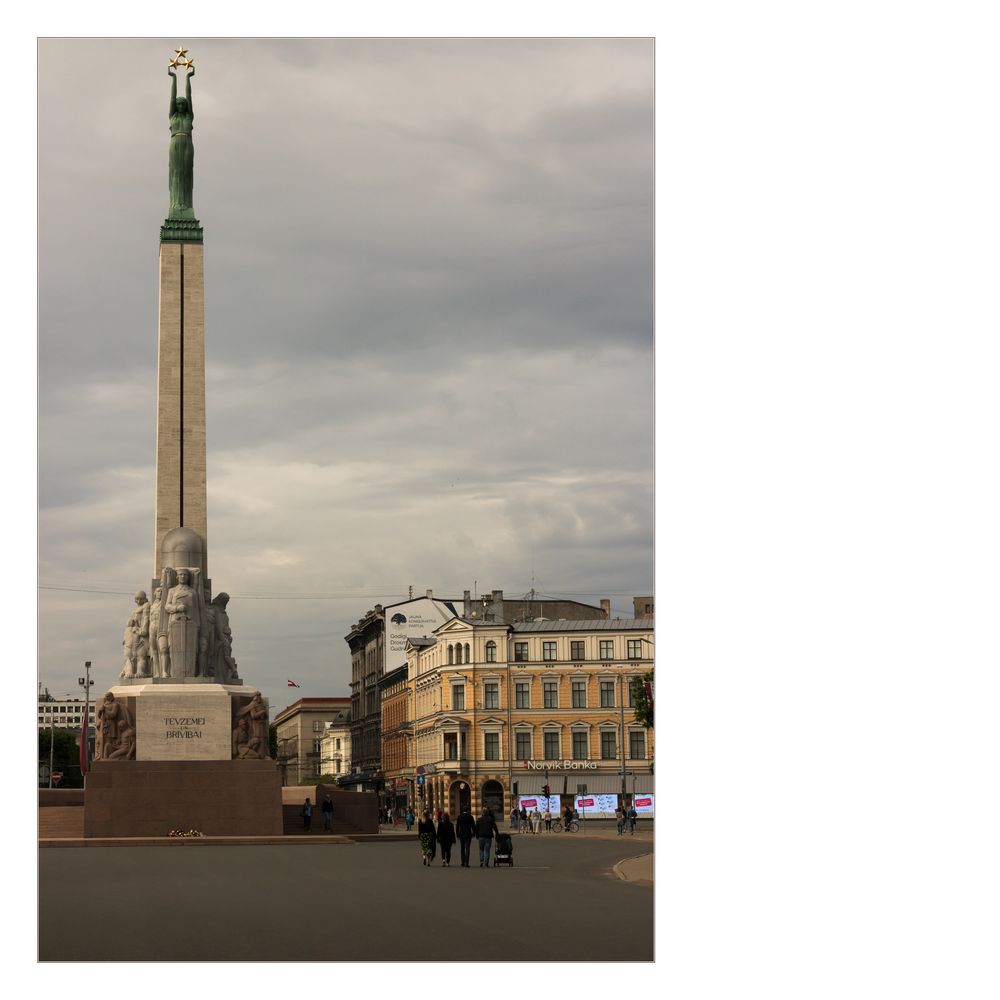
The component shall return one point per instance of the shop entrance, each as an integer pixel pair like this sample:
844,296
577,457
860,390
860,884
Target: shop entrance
461,798
493,798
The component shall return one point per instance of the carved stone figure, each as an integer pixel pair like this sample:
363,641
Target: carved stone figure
255,713
181,160
126,745
135,641
112,720
241,737
184,611
155,608
221,644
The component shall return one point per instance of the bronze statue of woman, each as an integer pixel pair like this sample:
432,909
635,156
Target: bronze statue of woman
181,150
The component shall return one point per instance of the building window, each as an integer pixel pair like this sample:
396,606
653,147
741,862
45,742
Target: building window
338,765
579,746
551,747
579,694
520,652
492,746
451,746
576,650
548,650
316,745
522,746
550,694
451,654
637,745
458,697
608,751
607,694
491,696
635,649
522,696
631,691
491,652
468,654
317,726
607,649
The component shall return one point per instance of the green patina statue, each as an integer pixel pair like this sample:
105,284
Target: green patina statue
181,150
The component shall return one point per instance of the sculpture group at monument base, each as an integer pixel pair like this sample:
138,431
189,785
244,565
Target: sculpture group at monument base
220,798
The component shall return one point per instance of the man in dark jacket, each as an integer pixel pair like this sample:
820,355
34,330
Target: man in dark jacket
485,828
465,830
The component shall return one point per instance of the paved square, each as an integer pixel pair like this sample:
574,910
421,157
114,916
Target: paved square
355,902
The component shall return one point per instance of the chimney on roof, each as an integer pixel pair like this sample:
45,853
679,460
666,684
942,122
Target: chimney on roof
466,604
606,607
429,594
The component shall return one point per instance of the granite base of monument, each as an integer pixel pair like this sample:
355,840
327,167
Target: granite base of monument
219,798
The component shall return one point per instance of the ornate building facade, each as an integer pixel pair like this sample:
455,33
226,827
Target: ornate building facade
500,710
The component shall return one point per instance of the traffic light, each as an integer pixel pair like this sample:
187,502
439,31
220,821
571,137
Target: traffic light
546,791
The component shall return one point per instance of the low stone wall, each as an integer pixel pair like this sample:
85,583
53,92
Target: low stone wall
60,797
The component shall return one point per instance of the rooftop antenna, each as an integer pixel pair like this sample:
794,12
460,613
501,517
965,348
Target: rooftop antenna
411,591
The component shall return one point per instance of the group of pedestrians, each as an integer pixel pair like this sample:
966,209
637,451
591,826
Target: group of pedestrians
530,822
444,834
626,817
326,808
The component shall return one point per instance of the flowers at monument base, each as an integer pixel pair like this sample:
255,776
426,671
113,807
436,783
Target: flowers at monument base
185,833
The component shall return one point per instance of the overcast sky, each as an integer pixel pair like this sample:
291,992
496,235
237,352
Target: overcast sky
429,332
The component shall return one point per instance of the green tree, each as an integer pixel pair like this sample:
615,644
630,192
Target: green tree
642,703
65,757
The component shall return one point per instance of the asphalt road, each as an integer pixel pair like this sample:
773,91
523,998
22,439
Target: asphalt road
343,902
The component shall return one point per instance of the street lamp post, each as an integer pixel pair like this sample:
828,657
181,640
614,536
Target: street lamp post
621,691
85,683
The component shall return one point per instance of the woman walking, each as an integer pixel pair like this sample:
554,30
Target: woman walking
427,835
446,837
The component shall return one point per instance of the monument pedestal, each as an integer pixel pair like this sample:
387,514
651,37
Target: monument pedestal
221,798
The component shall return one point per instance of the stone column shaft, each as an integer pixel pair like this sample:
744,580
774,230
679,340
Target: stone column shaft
181,499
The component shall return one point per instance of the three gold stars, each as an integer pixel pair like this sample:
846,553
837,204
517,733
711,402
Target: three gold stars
179,60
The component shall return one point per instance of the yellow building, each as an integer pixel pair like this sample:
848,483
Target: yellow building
499,707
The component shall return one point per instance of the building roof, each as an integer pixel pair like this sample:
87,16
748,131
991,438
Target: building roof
587,625
313,705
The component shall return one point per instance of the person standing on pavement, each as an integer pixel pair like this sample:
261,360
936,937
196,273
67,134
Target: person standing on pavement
547,816
514,816
446,837
632,817
620,819
409,818
536,820
465,829
307,815
485,828
427,836
327,808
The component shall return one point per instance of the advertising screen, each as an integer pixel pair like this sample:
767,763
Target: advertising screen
643,803
597,806
530,802
412,619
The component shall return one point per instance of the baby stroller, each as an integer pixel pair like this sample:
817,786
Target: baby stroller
505,850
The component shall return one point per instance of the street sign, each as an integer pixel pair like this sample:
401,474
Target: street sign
420,769
421,780
43,772
56,777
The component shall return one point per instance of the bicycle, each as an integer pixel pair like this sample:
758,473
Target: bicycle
558,826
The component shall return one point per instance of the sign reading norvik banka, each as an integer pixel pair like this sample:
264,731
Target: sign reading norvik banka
561,765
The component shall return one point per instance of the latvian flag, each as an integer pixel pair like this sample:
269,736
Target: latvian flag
292,684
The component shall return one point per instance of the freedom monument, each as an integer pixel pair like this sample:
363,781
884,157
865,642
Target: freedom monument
182,742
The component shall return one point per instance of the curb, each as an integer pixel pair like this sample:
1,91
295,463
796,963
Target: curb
619,870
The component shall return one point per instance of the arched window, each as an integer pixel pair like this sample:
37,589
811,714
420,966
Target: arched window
468,656
451,654
491,652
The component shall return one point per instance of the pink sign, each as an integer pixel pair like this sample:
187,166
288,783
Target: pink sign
585,803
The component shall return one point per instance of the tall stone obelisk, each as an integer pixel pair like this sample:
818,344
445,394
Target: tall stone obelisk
181,499
182,743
